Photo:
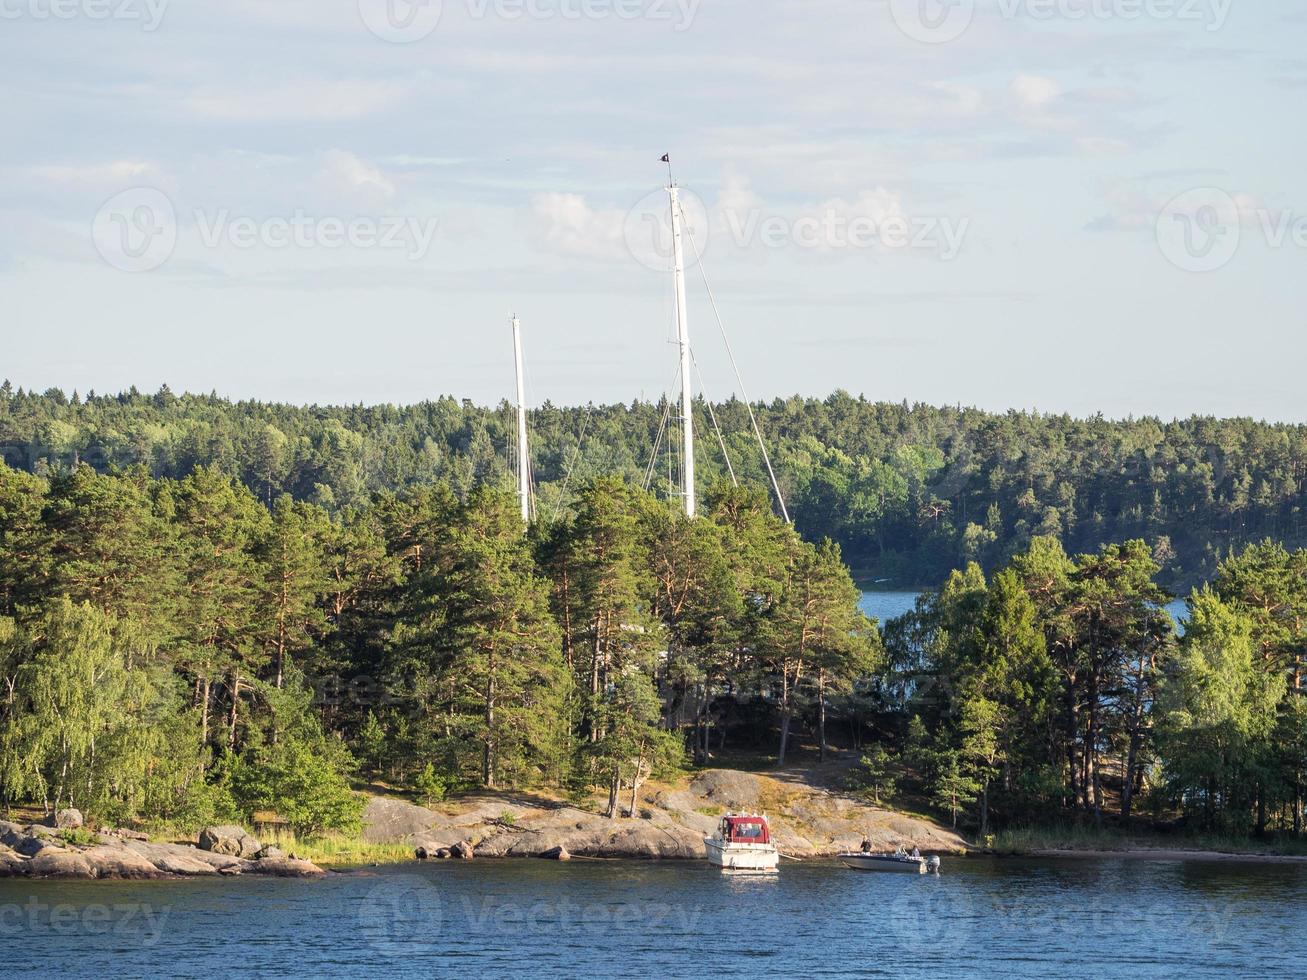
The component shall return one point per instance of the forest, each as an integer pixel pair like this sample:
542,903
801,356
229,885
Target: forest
209,609
908,492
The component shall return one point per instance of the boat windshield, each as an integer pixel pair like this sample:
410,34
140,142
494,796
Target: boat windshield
748,831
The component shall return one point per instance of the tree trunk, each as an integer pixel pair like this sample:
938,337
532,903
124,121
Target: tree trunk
204,713
488,747
821,714
235,702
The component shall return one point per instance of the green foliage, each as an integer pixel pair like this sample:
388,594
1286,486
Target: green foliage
873,776
431,785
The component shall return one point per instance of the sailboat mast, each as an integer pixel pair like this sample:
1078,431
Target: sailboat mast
523,447
683,336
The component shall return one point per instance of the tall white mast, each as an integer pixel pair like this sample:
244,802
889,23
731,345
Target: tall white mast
683,335
523,447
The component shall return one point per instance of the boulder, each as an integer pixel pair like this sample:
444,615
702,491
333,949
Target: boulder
230,840
54,862
31,845
171,858
288,868
558,853
271,852
70,819
12,865
222,863
118,861
387,821
462,850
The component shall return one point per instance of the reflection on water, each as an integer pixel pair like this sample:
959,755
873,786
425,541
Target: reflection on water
982,917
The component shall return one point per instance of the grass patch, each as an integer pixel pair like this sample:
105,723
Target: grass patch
338,850
710,811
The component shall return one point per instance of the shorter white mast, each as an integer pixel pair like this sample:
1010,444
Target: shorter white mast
683,336
523,446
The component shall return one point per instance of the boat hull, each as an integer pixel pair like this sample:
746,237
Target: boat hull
884,862
742,857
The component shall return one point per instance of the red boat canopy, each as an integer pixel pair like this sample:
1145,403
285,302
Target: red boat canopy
746,830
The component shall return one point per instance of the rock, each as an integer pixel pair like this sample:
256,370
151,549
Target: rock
230,840
425,852
221,862
388,821
558,853
11,833
728,788
70,819
288,868
12,865
444,854
462,850
172,859
271,852
56,863
118,861
33,844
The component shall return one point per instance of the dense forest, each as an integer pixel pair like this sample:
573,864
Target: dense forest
174,651
908,492
209,609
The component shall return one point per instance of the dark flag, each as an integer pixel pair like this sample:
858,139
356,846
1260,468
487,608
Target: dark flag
667,158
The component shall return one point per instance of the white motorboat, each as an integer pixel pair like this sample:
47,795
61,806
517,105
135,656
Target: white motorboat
898,863
743,843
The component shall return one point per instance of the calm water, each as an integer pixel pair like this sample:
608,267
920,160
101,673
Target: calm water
888,605
1019,918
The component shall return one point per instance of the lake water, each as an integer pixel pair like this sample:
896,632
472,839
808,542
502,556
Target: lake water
981,917
889,605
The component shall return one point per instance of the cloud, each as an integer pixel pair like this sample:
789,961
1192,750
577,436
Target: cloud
1035,91
92,176
305,100
345,177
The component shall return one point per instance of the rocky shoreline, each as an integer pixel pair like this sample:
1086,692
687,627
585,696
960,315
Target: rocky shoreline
807,822
40,851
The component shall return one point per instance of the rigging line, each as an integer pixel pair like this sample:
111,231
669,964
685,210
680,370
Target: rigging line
571,467
753,419
721,440
652,468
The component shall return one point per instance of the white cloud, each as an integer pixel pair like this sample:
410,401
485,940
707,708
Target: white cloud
299,101
345,176
1035,91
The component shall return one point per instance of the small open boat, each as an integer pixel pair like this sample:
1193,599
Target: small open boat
895,863
742,843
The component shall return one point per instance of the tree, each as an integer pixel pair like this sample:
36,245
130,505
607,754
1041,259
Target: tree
497,647
1217,716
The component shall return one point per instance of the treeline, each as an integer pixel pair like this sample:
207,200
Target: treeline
1059,687
908,492
176,651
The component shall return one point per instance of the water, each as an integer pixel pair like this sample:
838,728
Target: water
1008,917
889,605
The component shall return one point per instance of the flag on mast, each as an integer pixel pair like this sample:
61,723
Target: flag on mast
667,158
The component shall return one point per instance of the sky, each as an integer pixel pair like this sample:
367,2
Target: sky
1074,206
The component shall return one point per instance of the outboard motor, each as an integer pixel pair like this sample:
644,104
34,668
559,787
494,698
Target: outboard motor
932,864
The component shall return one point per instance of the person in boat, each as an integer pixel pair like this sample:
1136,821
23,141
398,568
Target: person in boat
866,845
916,851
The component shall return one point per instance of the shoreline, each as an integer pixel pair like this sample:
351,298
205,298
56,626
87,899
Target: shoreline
1164,854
